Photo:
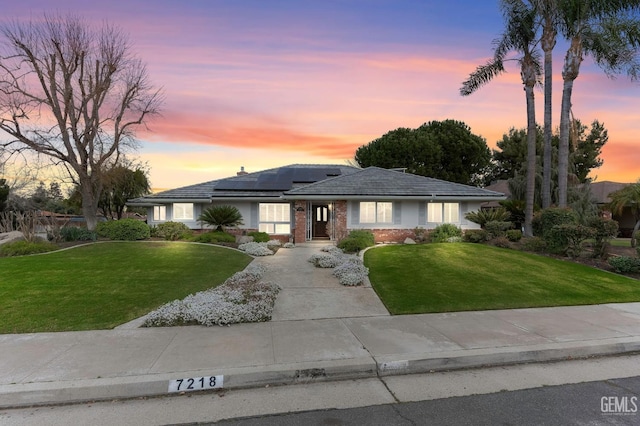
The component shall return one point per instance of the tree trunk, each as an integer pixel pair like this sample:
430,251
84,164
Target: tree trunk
634,234
548,84
570,72
532,132
89,205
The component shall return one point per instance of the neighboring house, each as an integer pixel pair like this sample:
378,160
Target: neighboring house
600,190
306,202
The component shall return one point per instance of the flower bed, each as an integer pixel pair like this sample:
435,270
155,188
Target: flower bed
241,298
349,269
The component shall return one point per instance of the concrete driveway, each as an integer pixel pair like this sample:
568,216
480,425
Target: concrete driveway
314,293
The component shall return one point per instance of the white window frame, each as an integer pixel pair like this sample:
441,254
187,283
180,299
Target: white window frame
274,218
183,211
443,212
159,213
376,212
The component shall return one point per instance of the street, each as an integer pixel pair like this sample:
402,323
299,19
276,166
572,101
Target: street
593,391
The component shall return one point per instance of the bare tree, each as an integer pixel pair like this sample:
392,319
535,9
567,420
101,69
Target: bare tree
75,94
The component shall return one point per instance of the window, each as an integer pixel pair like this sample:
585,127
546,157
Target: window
443,212
183,211
376,212
275,218
159,213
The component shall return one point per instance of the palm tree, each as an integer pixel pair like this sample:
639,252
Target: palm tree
520,37
629,196
548,11
221,216
604,30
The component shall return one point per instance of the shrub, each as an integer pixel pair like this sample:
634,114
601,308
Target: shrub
604,230
124,230
351,272
326,260
514,235
475,236
357,240
625,264
534,244
420,233
497,229
221,216
571,237
23,248
543,227
482,217
74,233
259,237
288,245
256,249
172,231
442,233
214,237
502,242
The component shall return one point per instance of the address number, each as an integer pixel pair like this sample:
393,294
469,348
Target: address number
196,384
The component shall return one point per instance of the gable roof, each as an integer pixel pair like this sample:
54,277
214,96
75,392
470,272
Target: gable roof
383,183
602,190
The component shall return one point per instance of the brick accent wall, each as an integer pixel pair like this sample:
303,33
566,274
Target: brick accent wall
340,219
392,235
300,230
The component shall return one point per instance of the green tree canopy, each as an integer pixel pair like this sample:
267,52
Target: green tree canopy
440,149
120,184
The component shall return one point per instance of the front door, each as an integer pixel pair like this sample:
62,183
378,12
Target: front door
320,220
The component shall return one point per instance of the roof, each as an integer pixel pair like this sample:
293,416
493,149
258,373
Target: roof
263,184
381,183
602,190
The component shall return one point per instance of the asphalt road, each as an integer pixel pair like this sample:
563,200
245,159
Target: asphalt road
610,402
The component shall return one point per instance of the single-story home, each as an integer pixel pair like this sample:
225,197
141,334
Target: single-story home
304,202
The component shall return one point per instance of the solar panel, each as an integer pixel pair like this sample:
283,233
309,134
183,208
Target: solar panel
281,179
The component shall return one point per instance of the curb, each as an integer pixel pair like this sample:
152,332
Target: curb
150,385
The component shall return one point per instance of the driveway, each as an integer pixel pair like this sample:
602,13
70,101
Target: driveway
314,293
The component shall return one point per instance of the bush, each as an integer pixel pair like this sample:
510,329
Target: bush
357,240
546,220
259,237
221,217
23,248
214,237
572,236
74,233
497,229
442,233
123,230
502,242
172,231
351,272
625,264
603,231
475,236
256,249
534,244
514,235
482,217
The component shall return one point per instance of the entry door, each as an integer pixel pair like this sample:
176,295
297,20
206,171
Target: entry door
320,213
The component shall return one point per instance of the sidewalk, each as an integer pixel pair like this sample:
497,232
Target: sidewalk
46,368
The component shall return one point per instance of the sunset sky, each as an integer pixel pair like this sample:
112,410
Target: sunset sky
265,83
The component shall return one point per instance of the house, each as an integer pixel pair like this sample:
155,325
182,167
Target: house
304,202
626,218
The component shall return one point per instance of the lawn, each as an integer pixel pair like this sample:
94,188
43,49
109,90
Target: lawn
100,286
450,277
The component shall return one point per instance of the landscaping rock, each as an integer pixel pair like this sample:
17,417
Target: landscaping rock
243,239
409,241
9,237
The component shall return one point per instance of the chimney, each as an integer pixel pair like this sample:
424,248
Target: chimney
241,172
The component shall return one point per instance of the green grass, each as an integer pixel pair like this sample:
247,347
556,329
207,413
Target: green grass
100,286
451,277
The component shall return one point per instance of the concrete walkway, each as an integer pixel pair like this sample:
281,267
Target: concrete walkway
46,368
